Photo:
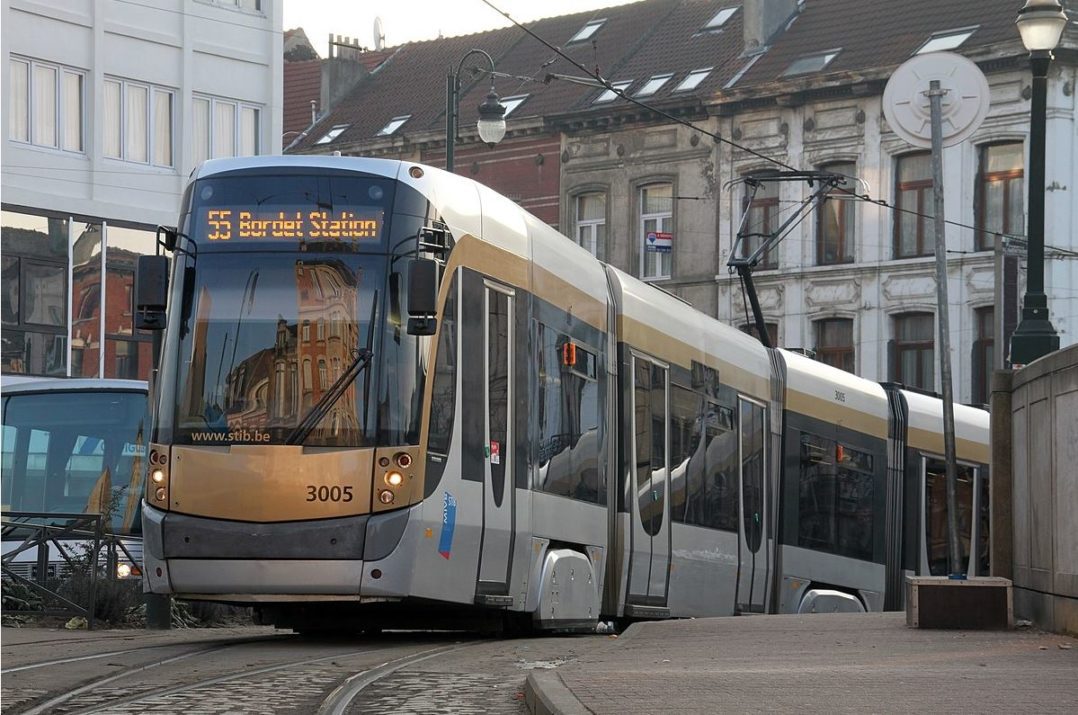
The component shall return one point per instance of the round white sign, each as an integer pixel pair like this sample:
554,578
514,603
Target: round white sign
964,104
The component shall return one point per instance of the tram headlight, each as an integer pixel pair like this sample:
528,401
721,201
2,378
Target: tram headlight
158,476
394,479
160,494
404,460
123,570
385,496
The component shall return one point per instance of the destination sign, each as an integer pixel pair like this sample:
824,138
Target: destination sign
291,225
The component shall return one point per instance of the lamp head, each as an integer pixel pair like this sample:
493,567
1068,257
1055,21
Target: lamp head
491,124
1041,23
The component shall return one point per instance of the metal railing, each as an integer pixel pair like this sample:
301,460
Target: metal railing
64,544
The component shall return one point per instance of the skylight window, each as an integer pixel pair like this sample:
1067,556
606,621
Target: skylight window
810,63
720,18
693,80
333,133
949,40
511,103
611,95
653,85
587,31
394,124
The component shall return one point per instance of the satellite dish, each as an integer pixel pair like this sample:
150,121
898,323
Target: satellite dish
964,106
379,34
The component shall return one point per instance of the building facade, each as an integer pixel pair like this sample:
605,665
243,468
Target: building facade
109,104
767,85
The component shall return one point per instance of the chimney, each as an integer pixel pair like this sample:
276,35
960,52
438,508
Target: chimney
341,72
763,19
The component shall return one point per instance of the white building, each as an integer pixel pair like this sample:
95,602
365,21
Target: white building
109,104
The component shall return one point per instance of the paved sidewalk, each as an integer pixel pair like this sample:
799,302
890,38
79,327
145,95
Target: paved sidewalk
813,663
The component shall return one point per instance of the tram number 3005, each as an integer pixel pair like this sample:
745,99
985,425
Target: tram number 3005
324,493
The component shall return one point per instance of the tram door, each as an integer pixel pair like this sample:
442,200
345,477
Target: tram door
498,517
649,563
753,552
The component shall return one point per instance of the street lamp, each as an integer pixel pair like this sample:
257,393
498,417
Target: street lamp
1040,23
491,124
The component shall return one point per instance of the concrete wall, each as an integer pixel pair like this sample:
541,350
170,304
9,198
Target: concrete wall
1041,406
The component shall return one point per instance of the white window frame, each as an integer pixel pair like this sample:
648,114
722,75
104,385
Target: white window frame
237,123
693,79
610,95
653,85
335,131
588,228
719,19
60,111
393,125
658,217
585,33
151,122
946,40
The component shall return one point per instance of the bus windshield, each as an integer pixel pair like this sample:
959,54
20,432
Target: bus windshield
74,452
265,336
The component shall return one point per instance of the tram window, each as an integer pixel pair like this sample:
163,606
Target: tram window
752,466
703,460
936,515
984,549
836,498
650,426
568,417
444,384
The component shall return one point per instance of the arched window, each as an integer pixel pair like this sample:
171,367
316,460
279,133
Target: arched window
656,226
913,350
915,230
590,222
834,342
834,220
1000,192
763,218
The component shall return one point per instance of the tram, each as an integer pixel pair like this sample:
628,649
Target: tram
388,394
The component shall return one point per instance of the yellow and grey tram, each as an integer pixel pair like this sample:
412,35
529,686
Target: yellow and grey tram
387,394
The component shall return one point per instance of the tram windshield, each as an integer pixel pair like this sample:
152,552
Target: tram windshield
266,336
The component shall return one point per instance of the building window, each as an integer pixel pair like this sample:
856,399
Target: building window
834,343
984,354
587,31
811,63
610,95
653,85
719,19
511,104
333,133
762,207
915,231
771,328
834,224
128,352
693,80
137,122
942,41
393,125
914,353
45,105
35,294
656,226
590,222
223,128
1000,193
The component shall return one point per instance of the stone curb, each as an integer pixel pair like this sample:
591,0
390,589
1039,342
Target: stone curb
546,694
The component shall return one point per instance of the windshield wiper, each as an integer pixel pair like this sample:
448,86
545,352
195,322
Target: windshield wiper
321,408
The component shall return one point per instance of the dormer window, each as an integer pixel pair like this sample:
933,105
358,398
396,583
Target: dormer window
719,19
949,40
333,133
610,95
693,80
587,31
653,85
811,63
511,103
393,125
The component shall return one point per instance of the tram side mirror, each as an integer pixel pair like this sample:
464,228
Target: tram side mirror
422,296
151,292
167,237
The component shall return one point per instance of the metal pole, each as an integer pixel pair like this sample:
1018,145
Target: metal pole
1035,336
158,606
450,118
935,95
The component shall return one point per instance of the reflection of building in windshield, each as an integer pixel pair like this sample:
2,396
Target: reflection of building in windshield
277,386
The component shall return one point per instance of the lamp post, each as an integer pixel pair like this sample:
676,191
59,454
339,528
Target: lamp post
1040,23
491,124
